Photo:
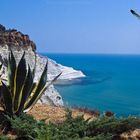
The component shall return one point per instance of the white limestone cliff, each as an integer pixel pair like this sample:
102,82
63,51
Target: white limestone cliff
51,96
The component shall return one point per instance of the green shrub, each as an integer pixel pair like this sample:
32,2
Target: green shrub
4,138
26,125
102,128
112,125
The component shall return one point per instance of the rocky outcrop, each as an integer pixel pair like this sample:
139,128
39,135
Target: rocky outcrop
51,96
12,37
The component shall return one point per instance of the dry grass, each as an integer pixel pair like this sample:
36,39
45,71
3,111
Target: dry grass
54,114
132,135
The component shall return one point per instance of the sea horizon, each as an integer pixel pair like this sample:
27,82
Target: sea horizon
55,53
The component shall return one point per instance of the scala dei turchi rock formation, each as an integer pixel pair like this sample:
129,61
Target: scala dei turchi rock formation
18,43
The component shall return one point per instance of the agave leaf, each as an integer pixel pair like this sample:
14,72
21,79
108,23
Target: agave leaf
52,81
41,84
19,82
33,88
33,72
46,87
26,91
7,99
0,73
1,66
36,98
0,87
135,14
11,71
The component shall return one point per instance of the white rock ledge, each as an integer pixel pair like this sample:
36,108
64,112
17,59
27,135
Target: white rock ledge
68,73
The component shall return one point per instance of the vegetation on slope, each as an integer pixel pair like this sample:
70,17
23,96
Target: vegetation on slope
102,128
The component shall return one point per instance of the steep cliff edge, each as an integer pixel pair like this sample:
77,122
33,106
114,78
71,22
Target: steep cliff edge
18,42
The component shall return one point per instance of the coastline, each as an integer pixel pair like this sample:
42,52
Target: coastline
51,96
111,83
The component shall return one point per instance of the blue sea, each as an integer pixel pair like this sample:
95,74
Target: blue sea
112,82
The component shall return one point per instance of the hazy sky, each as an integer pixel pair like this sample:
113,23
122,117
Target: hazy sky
76,26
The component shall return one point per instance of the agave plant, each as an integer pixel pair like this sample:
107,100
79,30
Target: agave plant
21,93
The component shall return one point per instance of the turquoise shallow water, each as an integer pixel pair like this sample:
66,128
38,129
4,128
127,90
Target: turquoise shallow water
112,82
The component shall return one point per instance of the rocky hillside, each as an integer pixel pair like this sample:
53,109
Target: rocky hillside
18,42
12,37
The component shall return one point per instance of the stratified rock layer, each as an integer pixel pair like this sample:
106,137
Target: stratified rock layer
12,37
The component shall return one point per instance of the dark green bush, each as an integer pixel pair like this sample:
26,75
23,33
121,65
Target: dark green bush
112,125
26,125
4,138
102,128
